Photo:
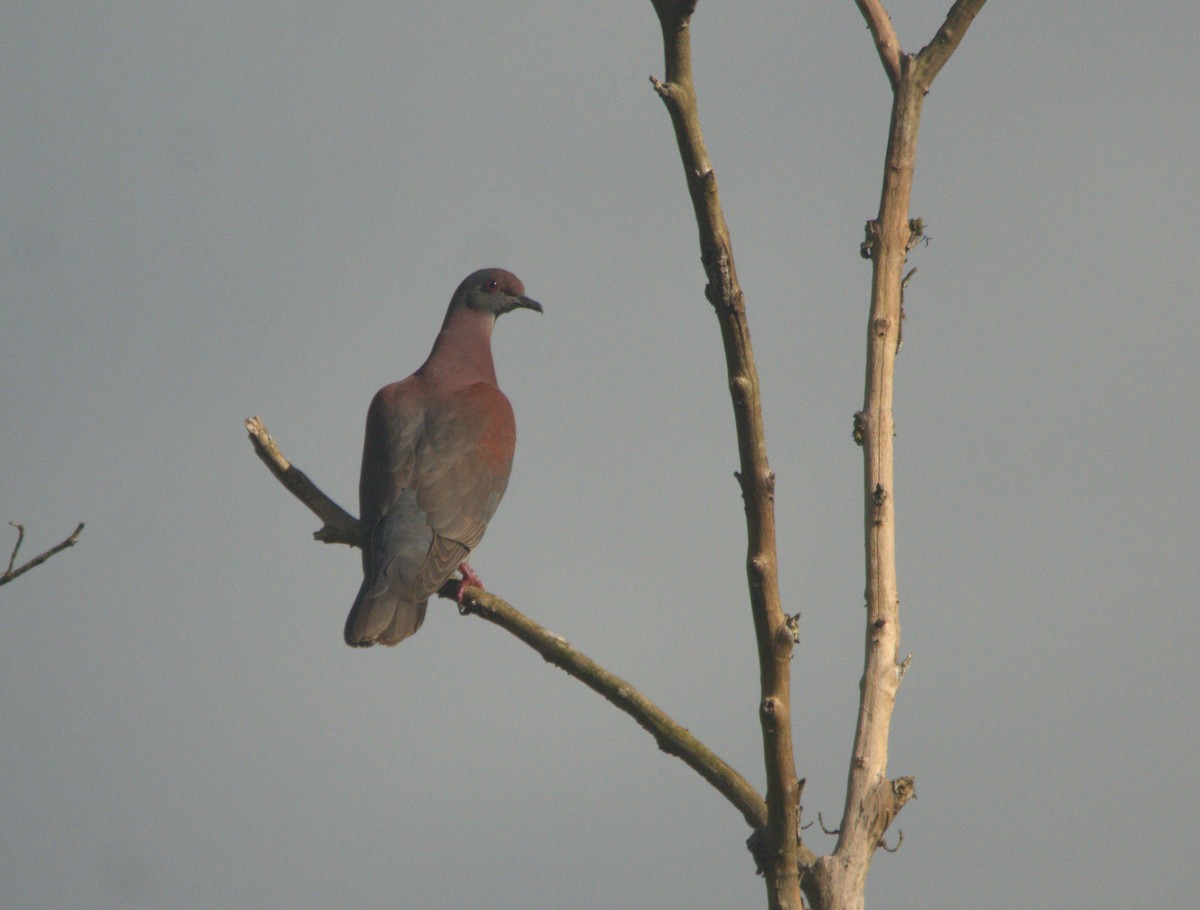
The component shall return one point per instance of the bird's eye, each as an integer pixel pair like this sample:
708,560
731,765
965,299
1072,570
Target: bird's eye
491,285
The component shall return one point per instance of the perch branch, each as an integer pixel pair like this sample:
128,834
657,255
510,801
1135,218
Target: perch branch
780,854
340,526
672,738
10,573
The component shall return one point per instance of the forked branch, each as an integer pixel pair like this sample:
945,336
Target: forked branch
15,571
872,801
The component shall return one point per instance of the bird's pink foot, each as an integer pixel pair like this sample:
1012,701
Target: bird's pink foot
469,580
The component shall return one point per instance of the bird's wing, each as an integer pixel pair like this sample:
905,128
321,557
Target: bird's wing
433,475
395,421
463,459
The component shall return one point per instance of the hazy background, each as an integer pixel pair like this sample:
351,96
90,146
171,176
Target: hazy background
207,214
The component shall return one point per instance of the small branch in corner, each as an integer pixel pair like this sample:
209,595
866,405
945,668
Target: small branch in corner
16,547
10,573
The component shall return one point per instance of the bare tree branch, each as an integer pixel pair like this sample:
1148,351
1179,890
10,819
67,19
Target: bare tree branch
872,801
886,42
935,54
672,738
340,526
16,547
10,573
773,634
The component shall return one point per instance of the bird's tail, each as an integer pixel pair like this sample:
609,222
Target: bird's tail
380,616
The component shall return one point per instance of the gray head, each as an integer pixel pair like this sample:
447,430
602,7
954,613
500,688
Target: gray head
492,291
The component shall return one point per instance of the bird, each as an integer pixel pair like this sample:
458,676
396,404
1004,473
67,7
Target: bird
437,453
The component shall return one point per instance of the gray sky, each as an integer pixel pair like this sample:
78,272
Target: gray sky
206,215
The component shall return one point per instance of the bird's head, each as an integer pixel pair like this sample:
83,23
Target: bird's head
493,291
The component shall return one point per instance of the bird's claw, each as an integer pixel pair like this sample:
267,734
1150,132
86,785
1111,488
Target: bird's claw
469,580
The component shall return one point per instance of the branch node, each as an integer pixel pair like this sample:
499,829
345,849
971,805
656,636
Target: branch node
756,843
866,249
916,233
793,626
740,386
902,668
879,496
787,635
860,428
770,712
17,546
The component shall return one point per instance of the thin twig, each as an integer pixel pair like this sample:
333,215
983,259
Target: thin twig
16,547
10,573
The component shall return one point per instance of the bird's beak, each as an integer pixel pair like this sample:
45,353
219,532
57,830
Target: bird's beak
527,303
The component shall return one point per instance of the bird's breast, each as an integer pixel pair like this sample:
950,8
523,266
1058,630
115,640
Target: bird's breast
495,425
